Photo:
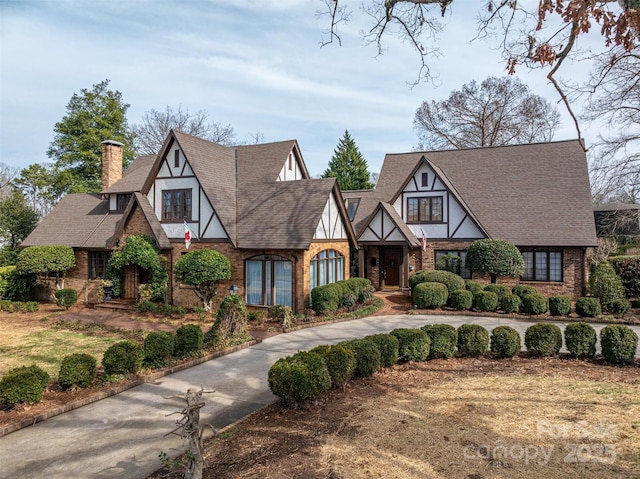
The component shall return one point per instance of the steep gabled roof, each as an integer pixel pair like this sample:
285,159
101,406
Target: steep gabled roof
530,195
391,212
134,176
79,220
263,162
147,211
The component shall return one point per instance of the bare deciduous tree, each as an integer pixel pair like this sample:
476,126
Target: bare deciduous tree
155,126
499,111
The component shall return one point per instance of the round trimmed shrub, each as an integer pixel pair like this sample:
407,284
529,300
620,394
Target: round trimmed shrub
505,342
588,307
473,339
299,378
77,370
414,344
326,299
559,305
500,289
188,341
389,347
543,339
158,348
341,364
461,299
534,304
618,306
523,290
367,356
485,301
444,338
123,357
429,295
511,303
474,286
65,298
24,384
580,339
451,280
618,343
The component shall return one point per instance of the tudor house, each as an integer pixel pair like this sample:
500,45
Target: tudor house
283,232
428,204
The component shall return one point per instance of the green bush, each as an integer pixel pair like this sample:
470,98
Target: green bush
24,384
474,286
485,301
588,307
473,339
341,364
451,280
368,357
618,306
511,303
604,283
147,307
505,342
203,269
461,299
46,261
628,270
429,295
413,344
77,370
618,343
299,378
495,258
580,339
282,313
188,341
523,290
389,347
534,304
500,289
5,276
158,348
559,305
444,338
19,286
543,339
123,357
326,299
366,295
65,298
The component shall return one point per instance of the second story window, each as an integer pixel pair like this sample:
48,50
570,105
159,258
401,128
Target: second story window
122,201
424,210
176,205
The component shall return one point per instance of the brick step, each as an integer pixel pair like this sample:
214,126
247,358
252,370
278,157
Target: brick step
118,305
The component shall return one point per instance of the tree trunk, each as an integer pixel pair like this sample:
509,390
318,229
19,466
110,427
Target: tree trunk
195,460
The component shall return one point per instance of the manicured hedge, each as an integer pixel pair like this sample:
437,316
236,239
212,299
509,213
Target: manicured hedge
473,340
580,339
587,307
543,339
24,384
618,306
330,297
559,305
414,344
158,348
451,280
65,298
444,338
474,286
429,295
534,304
123,357
618,343
389,347
501,290
505,342
299,378
485,301
461,299
188,340
77,370
368,357
523,289
341,363
511,303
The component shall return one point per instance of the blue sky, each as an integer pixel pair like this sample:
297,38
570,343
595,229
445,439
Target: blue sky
254,64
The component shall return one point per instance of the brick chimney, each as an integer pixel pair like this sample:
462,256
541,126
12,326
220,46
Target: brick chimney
111,162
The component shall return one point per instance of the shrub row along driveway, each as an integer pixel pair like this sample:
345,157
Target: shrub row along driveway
121,436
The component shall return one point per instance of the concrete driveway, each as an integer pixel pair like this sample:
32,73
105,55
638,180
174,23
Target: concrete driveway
121,436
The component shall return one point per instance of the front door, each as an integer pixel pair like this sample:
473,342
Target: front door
392,258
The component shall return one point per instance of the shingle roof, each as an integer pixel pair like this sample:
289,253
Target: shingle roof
530,195
134,176
263,162
80,220
147,211
616,207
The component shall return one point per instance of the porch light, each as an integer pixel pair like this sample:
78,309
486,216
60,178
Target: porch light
233,289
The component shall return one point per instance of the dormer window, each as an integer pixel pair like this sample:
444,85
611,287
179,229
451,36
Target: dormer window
122,200
352,207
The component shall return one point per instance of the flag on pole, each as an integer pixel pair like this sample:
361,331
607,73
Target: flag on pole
187,235
424,240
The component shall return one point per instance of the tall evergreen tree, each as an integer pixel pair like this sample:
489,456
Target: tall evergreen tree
17,220
349,166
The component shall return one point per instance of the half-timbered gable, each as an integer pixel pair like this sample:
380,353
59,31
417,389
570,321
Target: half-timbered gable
332,223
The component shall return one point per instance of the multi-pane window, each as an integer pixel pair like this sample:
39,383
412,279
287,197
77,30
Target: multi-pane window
458,267
326,267
268,281
424,210
98,264
176,205
542,265
122,200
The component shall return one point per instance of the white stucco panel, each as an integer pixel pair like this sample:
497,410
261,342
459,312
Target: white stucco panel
291,169
368,235
331,225
467,230
394,235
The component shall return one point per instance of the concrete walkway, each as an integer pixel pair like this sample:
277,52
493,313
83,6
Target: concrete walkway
121,436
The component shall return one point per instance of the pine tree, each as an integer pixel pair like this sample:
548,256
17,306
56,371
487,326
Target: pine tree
348,166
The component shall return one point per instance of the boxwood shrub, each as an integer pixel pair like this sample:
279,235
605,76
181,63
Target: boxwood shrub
505,342
429,295
341,364
299,378
534,304
65,298
444,338
618,343
23,385
451,280
580,339
485,301
618,306
474,286
77,370
473,339
368,357
543,339
123,357
414,344
326,299
587,307
389,347
461,299
188,340
501,290
158,348
523,289
604,283
511,303
559,305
